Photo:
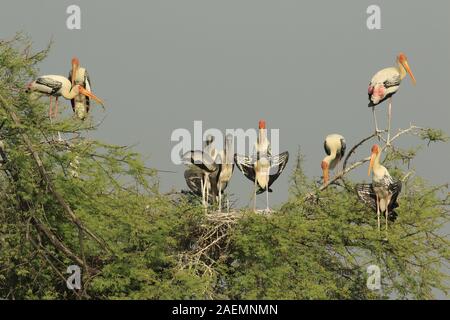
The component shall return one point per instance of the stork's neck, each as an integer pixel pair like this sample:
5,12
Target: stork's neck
228,153
331,157
378,168
401,70
262,135
70,94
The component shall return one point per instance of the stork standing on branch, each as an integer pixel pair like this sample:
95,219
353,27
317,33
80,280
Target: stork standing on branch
197,175
384,84
56,86
211,170
383,192
265,168
334,146
79,76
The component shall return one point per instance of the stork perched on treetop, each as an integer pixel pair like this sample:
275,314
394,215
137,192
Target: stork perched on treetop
263,169
79,76
211,171
385,83
334,146
383,192
56,86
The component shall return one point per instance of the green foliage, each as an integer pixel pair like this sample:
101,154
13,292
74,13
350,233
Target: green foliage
149,245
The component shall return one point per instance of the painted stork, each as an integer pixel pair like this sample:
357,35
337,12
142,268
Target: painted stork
79,75
211,170
385,83
197,175
334,146
383,192
56,86
265,168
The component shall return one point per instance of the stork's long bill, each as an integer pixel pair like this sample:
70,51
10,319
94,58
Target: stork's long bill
75,66
90,95
325,171
404,62
375,152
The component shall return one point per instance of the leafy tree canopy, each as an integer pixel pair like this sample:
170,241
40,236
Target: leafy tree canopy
96,205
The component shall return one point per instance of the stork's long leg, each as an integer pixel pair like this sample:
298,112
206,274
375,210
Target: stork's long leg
387,215
220,197
267,197
378,214
56,108
375,120
389,121
50,112
254,195
202,183
387,211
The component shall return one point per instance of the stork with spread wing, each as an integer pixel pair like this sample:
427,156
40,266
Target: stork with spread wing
265,168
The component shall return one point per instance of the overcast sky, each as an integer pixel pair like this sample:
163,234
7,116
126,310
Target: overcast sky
303,66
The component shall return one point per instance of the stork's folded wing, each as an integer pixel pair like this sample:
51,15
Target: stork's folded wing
193,177
367,194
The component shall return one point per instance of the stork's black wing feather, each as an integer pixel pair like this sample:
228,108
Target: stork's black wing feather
193,177
200,159
246,165
366,194
49,82
392,82
395,188
278,163
87,79
325,146
343,148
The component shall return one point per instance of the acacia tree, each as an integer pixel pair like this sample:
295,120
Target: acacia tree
84,202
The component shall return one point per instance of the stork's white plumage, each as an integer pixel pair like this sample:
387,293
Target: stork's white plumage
385,83
265,168
57,86
383,192
334,146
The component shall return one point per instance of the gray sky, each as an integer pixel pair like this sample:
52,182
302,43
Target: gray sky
304,66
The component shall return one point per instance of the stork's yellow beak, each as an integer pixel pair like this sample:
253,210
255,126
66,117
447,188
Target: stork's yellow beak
408,69
91,95
325,171
74,73
372,160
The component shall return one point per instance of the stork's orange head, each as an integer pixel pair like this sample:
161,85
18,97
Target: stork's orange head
375,149
403,60
75,61
262,124
402,57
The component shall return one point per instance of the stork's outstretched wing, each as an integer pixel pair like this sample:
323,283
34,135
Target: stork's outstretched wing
246,165
200,159
277,165
367,195
193,176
